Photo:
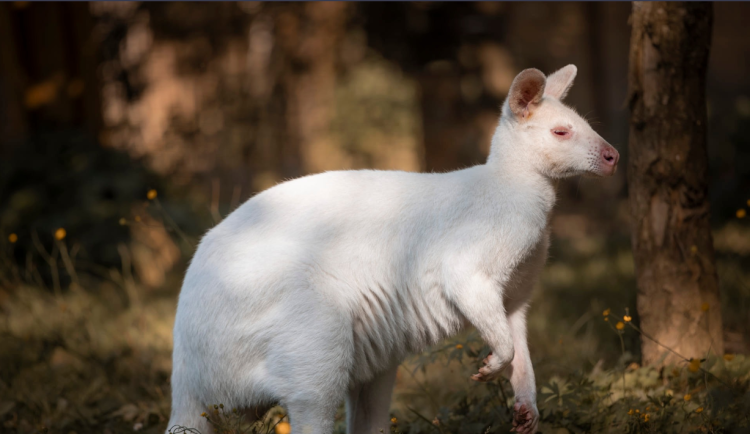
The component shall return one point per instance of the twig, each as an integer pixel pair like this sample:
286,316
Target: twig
424,389
437,427
172,224
67,262
127,275
675,353
51,259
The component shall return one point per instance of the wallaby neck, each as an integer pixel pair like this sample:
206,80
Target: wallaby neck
510,164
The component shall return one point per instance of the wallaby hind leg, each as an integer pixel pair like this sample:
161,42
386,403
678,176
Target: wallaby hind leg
368,405
186,413
313,416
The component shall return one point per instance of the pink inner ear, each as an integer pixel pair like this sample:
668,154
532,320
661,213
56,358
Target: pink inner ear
529,92
527,89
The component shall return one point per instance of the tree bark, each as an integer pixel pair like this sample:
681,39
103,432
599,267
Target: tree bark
678,292
13,122
310,36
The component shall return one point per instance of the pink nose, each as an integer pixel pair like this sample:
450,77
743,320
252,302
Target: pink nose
610,156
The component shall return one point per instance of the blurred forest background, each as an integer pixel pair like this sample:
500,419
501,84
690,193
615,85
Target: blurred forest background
135,127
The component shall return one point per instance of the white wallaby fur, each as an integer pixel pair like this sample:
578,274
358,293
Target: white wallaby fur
315,290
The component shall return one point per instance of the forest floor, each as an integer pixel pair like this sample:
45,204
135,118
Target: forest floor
96,358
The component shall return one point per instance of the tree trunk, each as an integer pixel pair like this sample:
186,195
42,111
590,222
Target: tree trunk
310,35
678,292
13,122
48,74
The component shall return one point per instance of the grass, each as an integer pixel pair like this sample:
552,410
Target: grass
94,356
79,362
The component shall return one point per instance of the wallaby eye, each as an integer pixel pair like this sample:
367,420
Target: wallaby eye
561,132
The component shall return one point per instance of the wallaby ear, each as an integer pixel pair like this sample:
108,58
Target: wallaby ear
526,91
558,84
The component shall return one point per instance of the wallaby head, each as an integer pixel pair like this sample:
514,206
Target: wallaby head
545,133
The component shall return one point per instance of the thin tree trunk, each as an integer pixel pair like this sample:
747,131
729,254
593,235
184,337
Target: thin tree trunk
13,122
678,292
311,35
448,140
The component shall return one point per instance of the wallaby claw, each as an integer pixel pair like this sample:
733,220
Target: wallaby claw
490,370
525,418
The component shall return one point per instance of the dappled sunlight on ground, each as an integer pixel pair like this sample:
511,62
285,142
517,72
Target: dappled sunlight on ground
78,361
101,363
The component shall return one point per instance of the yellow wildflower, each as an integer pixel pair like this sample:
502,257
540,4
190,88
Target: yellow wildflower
60,234
741,213
619,325
459,346
699,409
627,318
704,307
728,357
151,195
631,412
12,238
606,312
283,428
394,420
687,397
204,414
637,411
694,365
606,319
646,417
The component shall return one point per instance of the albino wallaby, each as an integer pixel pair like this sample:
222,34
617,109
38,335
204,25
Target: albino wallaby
315,290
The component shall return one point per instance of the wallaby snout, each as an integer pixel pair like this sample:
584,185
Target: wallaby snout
609,159
545,135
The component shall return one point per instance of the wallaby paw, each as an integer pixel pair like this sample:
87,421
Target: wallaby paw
525,418
492,368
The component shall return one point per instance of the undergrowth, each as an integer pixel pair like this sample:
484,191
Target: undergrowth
710,395
93,355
